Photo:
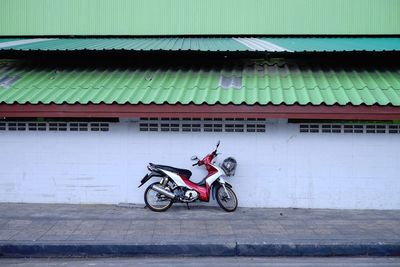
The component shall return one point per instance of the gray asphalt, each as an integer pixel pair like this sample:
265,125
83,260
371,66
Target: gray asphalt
215,262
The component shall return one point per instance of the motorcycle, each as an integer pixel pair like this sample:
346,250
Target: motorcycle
175,184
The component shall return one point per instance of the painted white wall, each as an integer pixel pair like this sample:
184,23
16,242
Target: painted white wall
279,168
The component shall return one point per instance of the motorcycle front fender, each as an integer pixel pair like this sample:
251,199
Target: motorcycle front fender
148,177
216,186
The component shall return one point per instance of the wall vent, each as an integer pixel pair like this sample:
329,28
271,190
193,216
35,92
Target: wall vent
393,129
309,128
36,126
202,125
375,128
348,128
58,126
331,128
353,128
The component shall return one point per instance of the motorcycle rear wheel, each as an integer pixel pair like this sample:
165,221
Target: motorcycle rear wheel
228,204
156,201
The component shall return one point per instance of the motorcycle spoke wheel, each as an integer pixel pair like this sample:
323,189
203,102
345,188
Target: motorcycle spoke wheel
156,201
228,203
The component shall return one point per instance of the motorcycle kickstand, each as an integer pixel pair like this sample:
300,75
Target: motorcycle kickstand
187,205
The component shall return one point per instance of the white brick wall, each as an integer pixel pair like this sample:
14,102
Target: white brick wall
279,168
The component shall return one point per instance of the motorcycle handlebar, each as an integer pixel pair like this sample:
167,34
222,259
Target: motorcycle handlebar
200,162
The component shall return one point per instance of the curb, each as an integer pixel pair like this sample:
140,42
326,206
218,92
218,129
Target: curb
227,249
114,250
319,250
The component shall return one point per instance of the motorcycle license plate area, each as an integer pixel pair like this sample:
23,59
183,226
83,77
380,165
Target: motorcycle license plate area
144,180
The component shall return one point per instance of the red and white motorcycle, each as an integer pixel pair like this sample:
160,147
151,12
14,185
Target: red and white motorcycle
175,184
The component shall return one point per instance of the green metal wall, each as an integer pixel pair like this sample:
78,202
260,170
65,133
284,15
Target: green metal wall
183,17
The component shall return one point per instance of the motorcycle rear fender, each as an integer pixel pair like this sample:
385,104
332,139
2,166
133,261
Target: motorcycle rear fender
149,176
216,186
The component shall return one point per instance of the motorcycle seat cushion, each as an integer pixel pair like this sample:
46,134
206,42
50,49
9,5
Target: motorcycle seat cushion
183,172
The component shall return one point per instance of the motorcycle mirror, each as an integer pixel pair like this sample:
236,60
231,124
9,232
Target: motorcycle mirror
194,158
218,143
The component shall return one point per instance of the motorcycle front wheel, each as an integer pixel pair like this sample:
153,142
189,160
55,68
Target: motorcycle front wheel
228,203
156,201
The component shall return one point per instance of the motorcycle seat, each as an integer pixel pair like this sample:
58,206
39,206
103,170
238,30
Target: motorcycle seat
182,172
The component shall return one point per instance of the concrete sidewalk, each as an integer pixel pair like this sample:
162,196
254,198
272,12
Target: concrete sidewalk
96,230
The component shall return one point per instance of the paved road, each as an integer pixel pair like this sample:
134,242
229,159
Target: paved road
207,262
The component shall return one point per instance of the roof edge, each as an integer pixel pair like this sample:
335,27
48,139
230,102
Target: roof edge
347,112
201,35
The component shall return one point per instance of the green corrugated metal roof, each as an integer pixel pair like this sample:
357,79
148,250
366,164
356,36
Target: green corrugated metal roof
263,44
336,44
201,17
246,83
134,44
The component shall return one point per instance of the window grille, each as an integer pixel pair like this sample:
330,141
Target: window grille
238,125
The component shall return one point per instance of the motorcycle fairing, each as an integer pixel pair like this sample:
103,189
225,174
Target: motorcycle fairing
202,190
214,173
177,179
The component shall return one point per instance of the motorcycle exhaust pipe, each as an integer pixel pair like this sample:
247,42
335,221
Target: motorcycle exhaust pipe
161,190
